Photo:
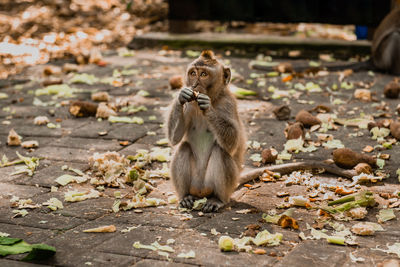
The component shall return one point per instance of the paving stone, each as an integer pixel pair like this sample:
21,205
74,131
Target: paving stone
92,128
159,263
48,171
160,216
89,209
95,144
129,132
15,263
7,191
316,253
78,139
65,155
35,217
29,234
5,174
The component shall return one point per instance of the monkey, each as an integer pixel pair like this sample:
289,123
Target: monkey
386,43
204,127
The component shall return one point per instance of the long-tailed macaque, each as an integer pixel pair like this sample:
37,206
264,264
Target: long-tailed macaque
205,127
386,43
209,139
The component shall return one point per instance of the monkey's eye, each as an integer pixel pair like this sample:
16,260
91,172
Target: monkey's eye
203,74
193,73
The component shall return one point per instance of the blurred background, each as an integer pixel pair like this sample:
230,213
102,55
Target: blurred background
36,31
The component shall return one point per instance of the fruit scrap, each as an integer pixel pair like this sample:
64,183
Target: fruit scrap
13,138
83,108
269,155
282,112
363,199
347,158
104,111
294,131
225,243
176,82
101,97
307,118
363,168
102,229
395,129
363,229
392,90
341,191
385,215
288,222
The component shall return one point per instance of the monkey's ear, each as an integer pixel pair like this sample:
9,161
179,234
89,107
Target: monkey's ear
208,54
227,75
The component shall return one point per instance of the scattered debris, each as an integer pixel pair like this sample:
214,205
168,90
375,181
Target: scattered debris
102,229
101,97
307,119
385,215
282,112
41,120
13,138
83,109
347,158
30,144
104,111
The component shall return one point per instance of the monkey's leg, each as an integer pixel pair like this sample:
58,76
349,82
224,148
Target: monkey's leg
181,166
221,175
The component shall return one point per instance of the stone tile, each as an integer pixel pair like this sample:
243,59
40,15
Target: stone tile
17,263
89,209
316,253
34,218
65,155
31,235
7,191
129,132
159,263
47,172
95,144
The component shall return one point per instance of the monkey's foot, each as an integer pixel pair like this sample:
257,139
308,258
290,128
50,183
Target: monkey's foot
212,205
187,202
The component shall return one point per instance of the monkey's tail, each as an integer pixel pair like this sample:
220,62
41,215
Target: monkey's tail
251,174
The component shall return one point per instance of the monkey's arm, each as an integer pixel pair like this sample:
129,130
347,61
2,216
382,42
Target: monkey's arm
176,123
224,124
251,174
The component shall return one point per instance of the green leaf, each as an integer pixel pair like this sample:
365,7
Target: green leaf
17,248
40,252
9,241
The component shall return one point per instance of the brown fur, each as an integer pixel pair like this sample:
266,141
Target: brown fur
209,144
386,43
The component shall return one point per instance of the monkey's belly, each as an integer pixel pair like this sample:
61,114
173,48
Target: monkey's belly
200,192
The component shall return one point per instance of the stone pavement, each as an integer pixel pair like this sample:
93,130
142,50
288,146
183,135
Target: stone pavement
78,138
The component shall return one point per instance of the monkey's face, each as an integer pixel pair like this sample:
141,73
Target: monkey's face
206,75
201,79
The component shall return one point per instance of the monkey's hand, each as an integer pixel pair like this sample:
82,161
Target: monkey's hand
203,101
186,95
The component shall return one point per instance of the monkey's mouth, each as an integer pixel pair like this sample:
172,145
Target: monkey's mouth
199,89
